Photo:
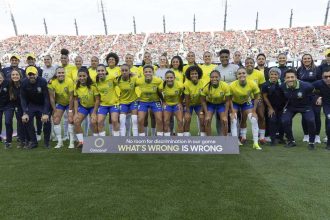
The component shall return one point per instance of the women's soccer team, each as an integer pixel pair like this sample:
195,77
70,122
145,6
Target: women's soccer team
167,96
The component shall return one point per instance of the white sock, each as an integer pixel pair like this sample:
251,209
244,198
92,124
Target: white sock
167,134
86,126
128,124
180,134
142,134
58,133
186,134
262,133
71,133
80,137
102,133
243,132
122,121
255,128
203,134
146,131
153,132
159,133
198,126
135,125
234,127
116,133
66,123
95,134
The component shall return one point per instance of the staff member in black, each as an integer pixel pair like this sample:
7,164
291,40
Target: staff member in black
299,99
35,101
4,103
14,64
322,88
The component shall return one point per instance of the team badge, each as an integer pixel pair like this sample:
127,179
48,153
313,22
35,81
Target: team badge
65,89
5,89
299,94
154,88
311,73
39,89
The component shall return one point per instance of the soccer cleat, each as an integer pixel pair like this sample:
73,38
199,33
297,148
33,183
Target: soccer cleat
256,146
58,145
71,146
240,143
325,140
290,144
79,145
242,140
311,146
306,138
317,139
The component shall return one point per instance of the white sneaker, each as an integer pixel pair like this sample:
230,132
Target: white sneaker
54,139
268,139
38,137
65,138
58,145
317,139
325,140
306,138
71,146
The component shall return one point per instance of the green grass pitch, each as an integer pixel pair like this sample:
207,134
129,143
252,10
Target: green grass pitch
275,183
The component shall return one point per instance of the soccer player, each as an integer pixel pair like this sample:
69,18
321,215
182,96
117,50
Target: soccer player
307,72
113,69
129,60
215,98
227,70
149,96
298,95
73,75
275,101
86,102
109,102
259,79
245,95
14,64
146,61
207,67
193,88
322,88
69,68
127,100
191,58
177,67
92,69
172,102
35,102
60,90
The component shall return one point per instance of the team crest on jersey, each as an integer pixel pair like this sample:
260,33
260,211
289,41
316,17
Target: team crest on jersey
311,73
176,92
154,88
39,89
65,89
5,89
299,94
221,93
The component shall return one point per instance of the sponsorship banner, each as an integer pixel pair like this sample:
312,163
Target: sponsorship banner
161,145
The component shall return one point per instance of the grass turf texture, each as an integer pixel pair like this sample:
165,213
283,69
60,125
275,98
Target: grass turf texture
276,183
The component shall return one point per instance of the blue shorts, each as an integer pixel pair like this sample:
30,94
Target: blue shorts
128,107
244,106
62,107
85,111
104,110
216,107
196,108
154,106
171,108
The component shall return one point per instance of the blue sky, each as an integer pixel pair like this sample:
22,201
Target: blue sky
60,15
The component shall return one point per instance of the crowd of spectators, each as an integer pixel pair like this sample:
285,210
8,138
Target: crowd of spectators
293,41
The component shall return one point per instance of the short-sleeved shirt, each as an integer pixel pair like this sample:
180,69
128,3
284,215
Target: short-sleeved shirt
172,94
228,73
207,69
107,91
257,76
86,96
62,90
216,95
127,90
243,93
148,92
194,91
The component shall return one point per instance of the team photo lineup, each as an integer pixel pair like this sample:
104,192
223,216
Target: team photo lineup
164,97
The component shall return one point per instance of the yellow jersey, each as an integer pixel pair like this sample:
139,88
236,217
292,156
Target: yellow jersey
127,90
135,71
148,92
92,74
207,69
68,69
62,90
194,91
86,96
141,70
172,94
185,68
242,94
257,76
216,95
107,91
179,77
113,72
